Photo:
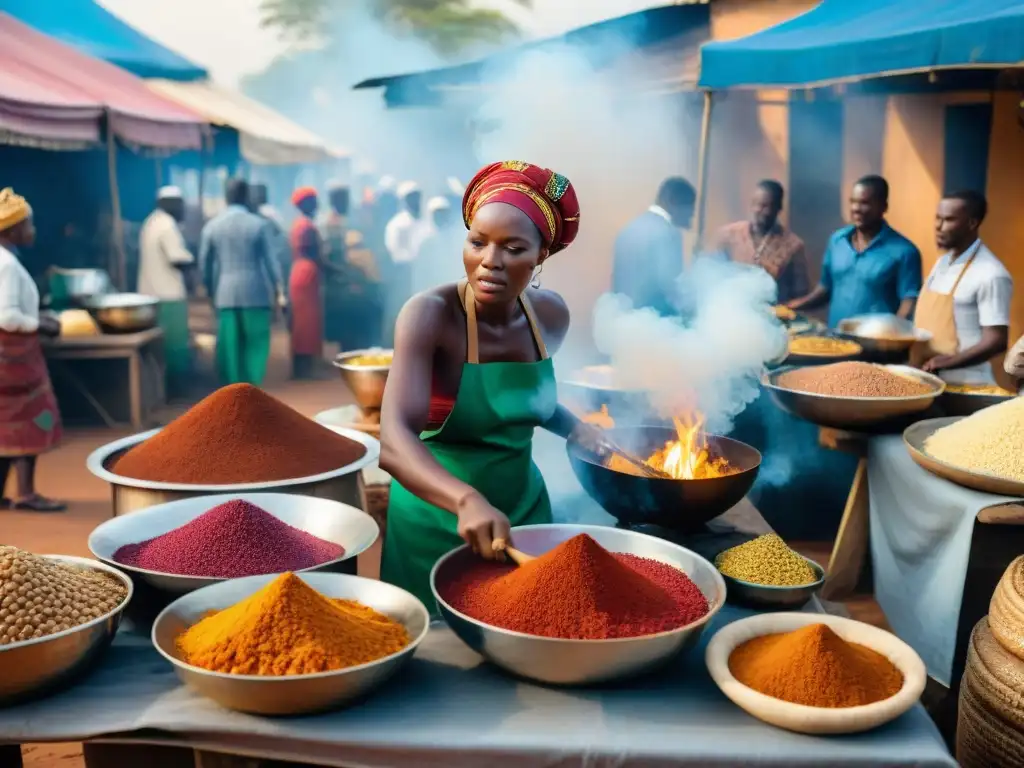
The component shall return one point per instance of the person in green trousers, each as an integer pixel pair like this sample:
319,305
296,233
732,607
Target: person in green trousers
472,378
238,261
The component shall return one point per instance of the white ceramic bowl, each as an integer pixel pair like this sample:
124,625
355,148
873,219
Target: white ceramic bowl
816,720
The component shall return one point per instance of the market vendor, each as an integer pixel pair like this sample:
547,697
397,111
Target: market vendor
304,286
965,302
29,418
472,377
868,266
162,257
764,242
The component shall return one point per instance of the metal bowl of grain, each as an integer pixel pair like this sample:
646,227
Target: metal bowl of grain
883,334
768,596
365,372
904,392
965,399
34,668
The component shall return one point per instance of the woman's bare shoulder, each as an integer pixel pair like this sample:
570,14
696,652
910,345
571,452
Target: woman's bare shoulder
552,312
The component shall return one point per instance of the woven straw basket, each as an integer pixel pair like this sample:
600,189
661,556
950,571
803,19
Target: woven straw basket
990,731
1006,611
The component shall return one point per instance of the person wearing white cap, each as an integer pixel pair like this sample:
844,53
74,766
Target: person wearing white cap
162,257
403,236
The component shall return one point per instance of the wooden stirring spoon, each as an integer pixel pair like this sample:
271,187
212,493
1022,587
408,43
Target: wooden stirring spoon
517,557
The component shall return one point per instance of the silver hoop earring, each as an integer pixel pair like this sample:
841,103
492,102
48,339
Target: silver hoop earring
535,282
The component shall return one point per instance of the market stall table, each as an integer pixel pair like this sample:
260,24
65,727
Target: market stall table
144,358
451,709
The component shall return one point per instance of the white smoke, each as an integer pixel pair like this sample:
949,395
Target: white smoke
710,361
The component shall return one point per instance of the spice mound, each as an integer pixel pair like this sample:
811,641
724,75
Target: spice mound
766,560
815,667
40,597
979,389
233,539
990,441
823,346
239,434
852,380
578,590
288,628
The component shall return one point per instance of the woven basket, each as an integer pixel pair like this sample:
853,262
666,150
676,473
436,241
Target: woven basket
1006,611
990,731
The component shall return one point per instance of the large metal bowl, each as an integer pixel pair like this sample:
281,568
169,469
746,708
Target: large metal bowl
365,381
915,436
679,505
854,413
882,334
583,662
131,494
330,520
593,386
123,312
967,403
291,694
35,668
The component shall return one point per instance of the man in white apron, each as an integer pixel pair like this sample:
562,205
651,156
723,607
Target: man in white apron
965,302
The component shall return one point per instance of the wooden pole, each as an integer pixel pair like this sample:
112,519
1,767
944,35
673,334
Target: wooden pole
702,168
121,271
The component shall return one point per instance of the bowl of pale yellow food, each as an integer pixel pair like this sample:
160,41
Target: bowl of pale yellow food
965,399
365,372
814,349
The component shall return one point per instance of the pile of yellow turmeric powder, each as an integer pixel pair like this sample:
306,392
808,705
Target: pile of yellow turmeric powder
288,628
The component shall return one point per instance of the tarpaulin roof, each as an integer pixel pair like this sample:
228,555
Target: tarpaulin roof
265,137
844,40
73,87
92,29
667,37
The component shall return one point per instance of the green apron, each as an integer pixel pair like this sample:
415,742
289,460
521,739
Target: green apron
486,442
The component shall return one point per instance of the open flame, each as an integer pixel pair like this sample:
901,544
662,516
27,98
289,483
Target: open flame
687,458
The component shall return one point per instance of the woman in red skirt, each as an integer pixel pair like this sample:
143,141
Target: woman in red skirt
305,298
29,418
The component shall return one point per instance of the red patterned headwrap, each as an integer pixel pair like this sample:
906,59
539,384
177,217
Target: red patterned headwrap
545,196
300,195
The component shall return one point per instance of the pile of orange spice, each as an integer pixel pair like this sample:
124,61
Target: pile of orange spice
815,667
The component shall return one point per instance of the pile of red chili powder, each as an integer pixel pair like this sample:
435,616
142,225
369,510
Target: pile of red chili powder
578,590
239,434
231,540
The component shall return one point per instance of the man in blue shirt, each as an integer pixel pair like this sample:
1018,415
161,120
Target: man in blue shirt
868,266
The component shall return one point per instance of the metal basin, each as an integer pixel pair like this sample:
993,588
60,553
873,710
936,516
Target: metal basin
966,403
35,668
332,521
131,494
770,597
583,662
365,381
592,387
881,334
854,413
679,505
123,312
291,694
915,436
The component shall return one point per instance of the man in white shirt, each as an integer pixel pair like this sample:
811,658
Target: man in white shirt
162,256
965,301
402,238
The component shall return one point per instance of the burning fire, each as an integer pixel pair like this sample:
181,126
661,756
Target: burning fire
687,458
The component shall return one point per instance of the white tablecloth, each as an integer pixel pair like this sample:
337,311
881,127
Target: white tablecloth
921,529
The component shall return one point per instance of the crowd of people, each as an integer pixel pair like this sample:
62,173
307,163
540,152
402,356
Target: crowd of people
867,267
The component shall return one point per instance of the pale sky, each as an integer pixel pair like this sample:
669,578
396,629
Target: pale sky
225,37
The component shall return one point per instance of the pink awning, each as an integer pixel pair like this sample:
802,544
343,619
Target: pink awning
51,91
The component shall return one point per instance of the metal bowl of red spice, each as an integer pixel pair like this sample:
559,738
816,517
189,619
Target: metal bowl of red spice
815,673
184,545
853,395
598,604
237,440
677,504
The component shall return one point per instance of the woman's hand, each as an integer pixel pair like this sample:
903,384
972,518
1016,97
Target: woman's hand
591,438
480,524
49,325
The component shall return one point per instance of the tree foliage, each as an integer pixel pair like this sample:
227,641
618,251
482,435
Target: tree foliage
447,25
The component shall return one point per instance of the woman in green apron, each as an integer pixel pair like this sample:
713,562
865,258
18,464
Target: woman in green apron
472,378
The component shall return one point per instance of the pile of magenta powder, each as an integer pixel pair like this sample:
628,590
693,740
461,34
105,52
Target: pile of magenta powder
231,540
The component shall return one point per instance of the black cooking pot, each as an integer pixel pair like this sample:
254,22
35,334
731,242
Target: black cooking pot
678,505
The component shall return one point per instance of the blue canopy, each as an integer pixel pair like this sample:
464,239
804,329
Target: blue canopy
95,31
841,40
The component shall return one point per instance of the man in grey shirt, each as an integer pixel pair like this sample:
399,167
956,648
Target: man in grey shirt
243,278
